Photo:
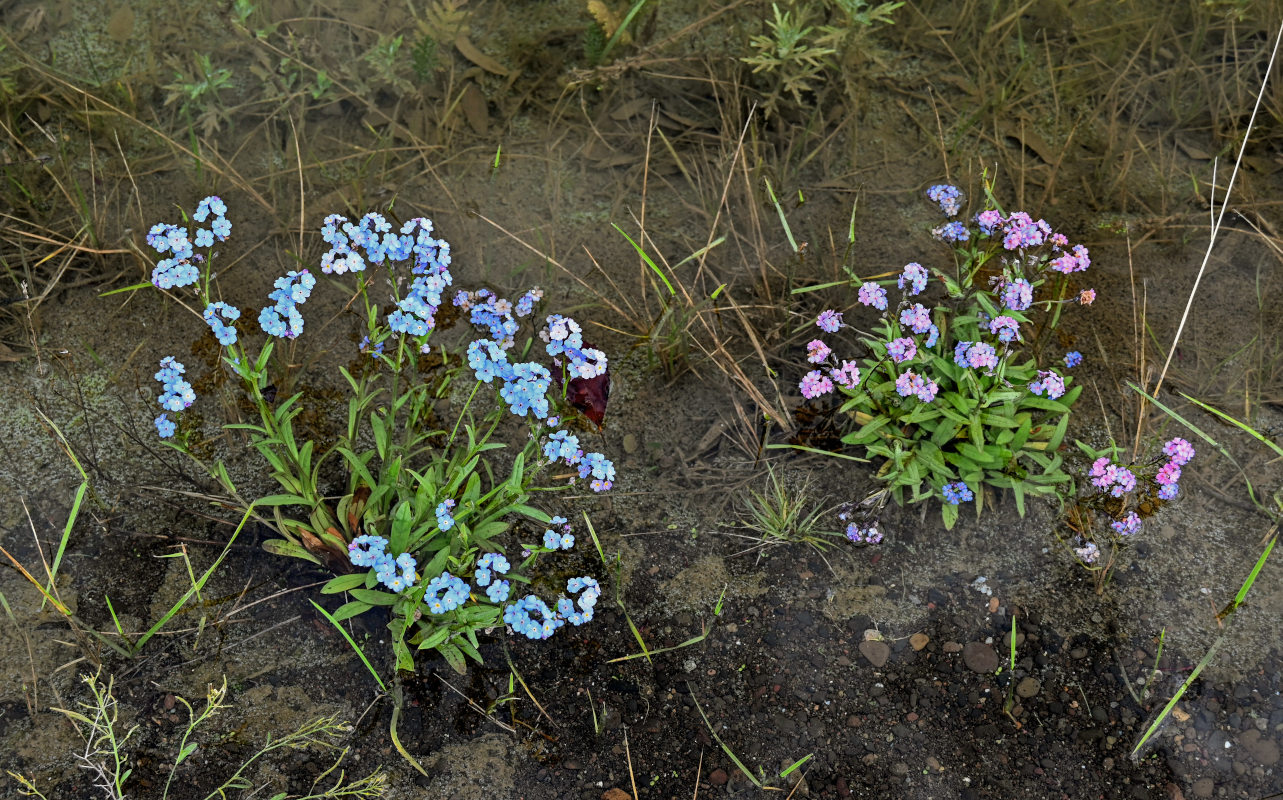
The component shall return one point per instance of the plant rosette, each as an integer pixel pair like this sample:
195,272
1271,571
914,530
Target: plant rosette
952,398
418,528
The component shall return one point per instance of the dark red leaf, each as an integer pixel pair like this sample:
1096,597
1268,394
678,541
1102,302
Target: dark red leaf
590,395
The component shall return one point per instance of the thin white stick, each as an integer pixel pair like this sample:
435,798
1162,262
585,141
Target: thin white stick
1216,225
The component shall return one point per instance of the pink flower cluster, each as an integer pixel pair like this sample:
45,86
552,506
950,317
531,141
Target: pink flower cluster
1179,453
1021,232
912,384
1105,474
816,383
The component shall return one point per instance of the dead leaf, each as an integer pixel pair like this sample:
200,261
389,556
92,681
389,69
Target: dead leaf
1193,152
475,109
470,52
1029,138
121,25
631,109
617,160
7,354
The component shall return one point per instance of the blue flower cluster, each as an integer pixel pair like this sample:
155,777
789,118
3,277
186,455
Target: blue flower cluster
1048,383
219,227
488,310
415,314
564,336
371,551
177,396
226,334
952,232
445,593
558,541
949,198
913,279
1018,294
955,493
518,615
526,303
374,351
445,521
488,360
1073,358
526,389
179,270
863,534
565,446
487,566
283,319
602,470
587,600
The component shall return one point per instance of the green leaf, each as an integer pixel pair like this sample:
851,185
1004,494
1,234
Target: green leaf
435,638
1044,404
357,464
964,405
1022,433
351,609
944,434
949,513
469,650
975,454
868,432
1058,435
534,513
401,521
342,583
965,465
374,597
437,564
931,456
380,435
1019,491
404,658
282,500
453,657
998,420
976,432
185,752
281,547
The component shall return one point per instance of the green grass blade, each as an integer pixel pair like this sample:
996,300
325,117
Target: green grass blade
1167,709
815,450
796,764
1207,659
1241,425
783,220
718,739
646,654
1256,570
66,531
353,644
199,584
619,32
654,267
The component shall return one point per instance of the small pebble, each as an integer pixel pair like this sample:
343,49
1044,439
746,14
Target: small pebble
876,652
979,657
1028,687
